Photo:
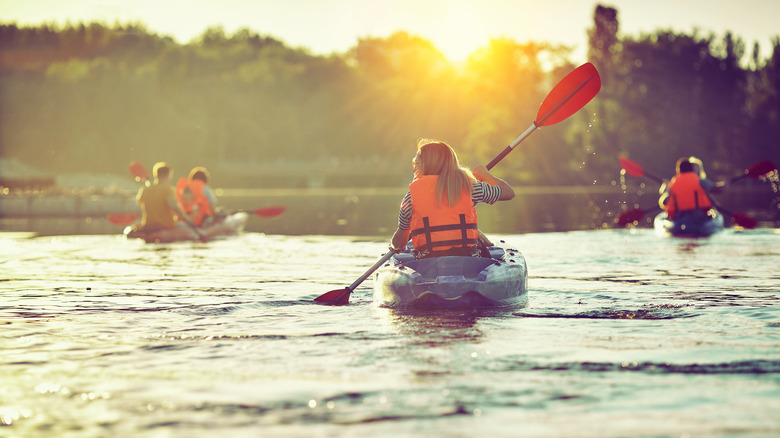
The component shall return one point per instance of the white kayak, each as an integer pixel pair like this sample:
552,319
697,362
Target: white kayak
453,281
229,226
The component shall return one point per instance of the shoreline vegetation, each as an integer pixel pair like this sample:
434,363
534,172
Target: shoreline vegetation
78,103
90,98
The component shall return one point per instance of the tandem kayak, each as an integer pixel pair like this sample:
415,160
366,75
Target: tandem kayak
453,281
693,223
229,226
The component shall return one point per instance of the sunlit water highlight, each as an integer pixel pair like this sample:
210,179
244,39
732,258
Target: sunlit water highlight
625,334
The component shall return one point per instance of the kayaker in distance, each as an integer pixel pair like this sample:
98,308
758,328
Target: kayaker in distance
201,207
438,211
159,207
685,193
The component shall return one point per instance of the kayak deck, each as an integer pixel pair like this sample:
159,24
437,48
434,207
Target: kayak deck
453,281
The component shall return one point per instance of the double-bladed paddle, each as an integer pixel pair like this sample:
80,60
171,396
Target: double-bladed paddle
264,212
755,171
566,98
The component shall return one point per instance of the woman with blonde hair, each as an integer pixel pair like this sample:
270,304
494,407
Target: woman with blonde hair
438,212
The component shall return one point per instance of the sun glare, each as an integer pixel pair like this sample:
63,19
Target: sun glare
457,32
456,48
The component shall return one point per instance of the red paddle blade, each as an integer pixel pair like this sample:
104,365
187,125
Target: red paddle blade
138,171
744,220
270,211
336,297
761,169
629,217
122,218
631,167
569,95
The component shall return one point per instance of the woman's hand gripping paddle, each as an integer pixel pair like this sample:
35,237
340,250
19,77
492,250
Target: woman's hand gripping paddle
566,98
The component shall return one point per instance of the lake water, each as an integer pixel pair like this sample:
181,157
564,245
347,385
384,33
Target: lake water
625,334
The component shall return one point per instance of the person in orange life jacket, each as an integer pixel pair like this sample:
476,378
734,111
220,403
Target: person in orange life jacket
159,208
200,208
438,211
707,184
685,192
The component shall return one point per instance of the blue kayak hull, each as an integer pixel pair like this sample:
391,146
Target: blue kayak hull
453,281
696,223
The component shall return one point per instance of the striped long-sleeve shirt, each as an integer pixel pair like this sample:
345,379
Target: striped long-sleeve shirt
480,192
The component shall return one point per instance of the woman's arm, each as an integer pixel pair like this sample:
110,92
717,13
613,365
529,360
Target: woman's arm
481,173
400,237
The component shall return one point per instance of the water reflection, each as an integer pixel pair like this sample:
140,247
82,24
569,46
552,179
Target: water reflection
688,245
426,328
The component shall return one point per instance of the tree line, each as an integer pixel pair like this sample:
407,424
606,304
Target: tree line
91,97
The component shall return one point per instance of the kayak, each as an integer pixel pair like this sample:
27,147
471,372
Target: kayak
453,281
229,226
693,223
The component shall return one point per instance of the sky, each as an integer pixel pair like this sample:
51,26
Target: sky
455,27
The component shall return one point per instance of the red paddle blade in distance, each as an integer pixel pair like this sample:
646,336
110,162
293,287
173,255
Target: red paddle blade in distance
629,217
761,169
744,221
631,167
569,95
138,171
122,218
270,211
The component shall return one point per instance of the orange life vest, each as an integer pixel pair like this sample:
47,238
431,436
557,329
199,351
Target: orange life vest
204,207
686,193
435,227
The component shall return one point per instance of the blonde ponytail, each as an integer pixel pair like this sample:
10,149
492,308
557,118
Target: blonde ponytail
438,158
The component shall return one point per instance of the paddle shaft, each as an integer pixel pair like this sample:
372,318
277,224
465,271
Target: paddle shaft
512,146
657,179
370,270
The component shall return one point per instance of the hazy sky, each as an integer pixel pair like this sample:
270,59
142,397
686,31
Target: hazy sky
456,27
